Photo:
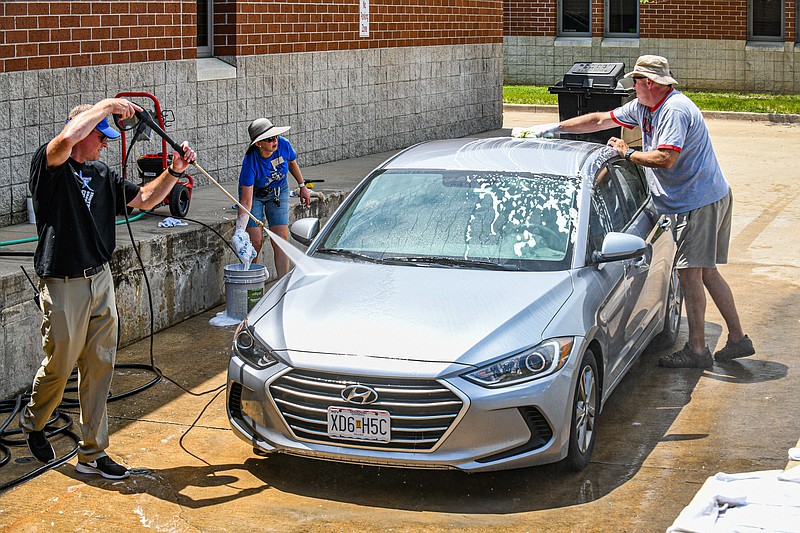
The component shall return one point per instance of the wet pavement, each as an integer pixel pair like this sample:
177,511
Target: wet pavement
662,433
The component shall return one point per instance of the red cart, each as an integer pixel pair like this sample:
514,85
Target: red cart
150,166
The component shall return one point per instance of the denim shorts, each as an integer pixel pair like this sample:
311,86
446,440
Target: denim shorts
277,215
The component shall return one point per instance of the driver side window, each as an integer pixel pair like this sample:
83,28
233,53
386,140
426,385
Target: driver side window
607,211
632,185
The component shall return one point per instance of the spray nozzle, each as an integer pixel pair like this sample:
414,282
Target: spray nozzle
137,123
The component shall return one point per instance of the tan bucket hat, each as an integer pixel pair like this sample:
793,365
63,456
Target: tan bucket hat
262,128
654,67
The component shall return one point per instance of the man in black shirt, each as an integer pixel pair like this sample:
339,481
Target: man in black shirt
76,198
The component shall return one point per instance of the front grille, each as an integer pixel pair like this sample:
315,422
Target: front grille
421,410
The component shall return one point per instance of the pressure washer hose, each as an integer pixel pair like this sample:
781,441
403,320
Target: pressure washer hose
34,239
13,406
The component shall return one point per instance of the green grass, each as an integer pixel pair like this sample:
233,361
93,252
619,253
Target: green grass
742,102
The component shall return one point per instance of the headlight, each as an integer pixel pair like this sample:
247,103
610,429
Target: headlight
249,348
537,362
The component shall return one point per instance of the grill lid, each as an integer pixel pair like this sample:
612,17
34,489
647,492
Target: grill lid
597,75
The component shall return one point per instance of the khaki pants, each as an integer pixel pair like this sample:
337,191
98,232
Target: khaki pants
79,326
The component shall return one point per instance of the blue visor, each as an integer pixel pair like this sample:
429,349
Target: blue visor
106,129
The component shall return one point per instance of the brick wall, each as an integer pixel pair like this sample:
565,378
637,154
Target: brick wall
672,19
690,19
529,17
323,25
41,35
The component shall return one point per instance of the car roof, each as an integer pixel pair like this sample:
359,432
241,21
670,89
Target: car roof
538,156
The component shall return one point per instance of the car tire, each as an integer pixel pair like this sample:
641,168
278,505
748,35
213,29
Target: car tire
585,407
672,318
179,201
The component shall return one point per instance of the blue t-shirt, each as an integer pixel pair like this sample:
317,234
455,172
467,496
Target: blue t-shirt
677,124
260,172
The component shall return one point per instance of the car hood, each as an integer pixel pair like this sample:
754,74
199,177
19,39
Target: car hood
431,314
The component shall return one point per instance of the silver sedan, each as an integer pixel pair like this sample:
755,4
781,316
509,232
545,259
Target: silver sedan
471,305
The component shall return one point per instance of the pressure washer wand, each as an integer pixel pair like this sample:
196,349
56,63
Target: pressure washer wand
229,195
147,119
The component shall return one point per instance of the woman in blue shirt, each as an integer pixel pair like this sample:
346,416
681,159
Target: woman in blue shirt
264,188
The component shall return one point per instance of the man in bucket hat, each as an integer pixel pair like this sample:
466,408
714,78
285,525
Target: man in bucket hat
686,181
264,188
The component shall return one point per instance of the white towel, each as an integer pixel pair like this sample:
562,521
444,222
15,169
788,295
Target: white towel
793,474
243,247
170,222
751,501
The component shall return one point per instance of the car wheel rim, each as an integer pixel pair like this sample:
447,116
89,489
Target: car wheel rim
674,308
585,409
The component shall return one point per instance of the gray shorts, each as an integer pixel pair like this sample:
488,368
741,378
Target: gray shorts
703,235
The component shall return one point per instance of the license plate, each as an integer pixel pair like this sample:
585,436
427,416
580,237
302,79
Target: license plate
359,424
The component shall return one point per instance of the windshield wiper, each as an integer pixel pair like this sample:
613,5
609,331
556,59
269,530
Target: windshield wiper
347,253
446,261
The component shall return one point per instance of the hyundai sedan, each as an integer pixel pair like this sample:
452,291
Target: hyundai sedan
471,305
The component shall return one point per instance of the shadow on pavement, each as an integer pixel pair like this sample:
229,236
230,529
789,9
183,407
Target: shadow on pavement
184,485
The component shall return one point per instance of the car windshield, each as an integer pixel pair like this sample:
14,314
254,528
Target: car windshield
459,219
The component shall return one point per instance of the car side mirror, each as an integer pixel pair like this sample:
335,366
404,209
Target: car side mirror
304,230
618,247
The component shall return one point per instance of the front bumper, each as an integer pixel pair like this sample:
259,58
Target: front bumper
487,429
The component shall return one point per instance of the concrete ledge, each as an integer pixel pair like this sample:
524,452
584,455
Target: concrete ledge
184,267
211,68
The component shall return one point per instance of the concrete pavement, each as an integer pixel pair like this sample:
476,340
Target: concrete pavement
661,434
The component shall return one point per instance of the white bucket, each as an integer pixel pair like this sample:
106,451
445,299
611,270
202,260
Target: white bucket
31,214
243,288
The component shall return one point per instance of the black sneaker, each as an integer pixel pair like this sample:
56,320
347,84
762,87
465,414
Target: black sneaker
105,466
39,446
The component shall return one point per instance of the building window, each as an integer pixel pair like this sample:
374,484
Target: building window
205,40
575,18
765,20
622,18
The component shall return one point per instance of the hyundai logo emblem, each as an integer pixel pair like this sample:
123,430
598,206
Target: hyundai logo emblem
360,394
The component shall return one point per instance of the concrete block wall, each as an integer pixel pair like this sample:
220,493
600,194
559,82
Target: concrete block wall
340,104
697,64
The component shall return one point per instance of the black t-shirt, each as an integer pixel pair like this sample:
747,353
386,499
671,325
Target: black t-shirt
75,205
